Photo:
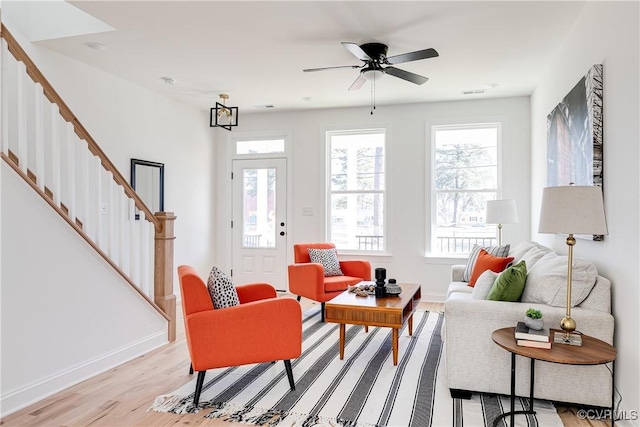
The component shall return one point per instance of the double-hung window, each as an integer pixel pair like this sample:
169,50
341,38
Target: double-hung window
356,189
465,175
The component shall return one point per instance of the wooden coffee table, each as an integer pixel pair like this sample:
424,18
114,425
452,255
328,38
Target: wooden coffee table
387,312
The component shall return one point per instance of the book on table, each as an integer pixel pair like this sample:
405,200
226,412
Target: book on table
534,344
522,332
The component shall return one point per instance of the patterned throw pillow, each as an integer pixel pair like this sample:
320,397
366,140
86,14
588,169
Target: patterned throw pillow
329,260
499,251
223,293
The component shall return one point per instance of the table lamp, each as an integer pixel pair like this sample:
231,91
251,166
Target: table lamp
501,212
572,210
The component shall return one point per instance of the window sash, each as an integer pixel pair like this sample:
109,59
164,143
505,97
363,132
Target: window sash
474,170
357,180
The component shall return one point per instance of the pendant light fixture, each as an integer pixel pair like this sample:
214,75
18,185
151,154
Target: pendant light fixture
223,116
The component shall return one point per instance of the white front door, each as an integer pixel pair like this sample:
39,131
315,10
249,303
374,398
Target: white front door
260,222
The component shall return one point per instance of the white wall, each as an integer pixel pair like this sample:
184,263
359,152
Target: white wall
66,315
128,121
408,174
606,33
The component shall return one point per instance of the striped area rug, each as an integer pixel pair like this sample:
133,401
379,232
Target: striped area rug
364,389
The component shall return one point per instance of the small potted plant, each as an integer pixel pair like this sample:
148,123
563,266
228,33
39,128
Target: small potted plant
533,319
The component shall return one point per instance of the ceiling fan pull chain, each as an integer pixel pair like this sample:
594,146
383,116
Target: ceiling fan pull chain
372,97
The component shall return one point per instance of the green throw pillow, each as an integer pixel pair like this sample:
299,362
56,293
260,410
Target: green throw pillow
509,284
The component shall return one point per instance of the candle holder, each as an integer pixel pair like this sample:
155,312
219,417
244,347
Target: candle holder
381,275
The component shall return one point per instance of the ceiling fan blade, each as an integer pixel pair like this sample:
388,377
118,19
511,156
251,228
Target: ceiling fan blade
307,70
406,75
412,56
357,51
358,83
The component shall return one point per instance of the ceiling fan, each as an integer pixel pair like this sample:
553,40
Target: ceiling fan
377,63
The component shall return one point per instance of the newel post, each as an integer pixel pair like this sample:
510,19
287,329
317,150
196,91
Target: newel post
163,269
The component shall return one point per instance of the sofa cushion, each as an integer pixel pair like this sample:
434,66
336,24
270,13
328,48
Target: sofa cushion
547,281
339,283
485,262
484,284
600,296
329,260
223,293
454,296
500,251
458,287
509,284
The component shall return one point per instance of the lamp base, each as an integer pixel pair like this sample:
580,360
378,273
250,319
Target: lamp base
570,338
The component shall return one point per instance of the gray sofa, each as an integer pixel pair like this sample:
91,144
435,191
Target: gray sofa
475,363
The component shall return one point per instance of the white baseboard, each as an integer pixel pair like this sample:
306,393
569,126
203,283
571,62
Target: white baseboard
432,297
22,397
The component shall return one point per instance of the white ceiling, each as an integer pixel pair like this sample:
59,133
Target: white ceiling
255,51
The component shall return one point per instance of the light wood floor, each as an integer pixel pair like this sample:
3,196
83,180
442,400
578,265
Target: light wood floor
121,396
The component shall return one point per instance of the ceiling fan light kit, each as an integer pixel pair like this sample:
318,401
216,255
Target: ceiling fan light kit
372,75
223,116
374,56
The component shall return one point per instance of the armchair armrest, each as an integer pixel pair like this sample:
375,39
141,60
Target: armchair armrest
307,280
255,292
254,332
356,268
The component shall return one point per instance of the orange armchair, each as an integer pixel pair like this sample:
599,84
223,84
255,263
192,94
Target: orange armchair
262,328
306,279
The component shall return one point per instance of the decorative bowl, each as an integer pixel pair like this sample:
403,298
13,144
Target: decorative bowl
393,289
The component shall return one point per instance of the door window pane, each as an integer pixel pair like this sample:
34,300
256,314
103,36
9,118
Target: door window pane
259,210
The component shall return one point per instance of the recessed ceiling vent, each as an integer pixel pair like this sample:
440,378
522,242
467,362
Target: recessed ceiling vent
96,46
473,91
265,106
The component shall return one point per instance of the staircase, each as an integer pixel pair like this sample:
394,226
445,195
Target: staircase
44,143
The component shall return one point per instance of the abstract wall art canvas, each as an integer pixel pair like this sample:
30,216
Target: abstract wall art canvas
574,135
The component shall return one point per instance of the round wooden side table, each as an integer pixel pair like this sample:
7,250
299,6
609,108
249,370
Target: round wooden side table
592,352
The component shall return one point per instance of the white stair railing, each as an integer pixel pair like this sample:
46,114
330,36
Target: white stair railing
44,143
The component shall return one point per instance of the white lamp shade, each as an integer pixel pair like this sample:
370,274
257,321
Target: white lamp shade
572,210
501,212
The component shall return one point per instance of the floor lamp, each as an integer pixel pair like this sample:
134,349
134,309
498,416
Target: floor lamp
571,210
501,212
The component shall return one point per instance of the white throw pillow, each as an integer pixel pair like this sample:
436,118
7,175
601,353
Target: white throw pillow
519,250
484,284
329,260
547,281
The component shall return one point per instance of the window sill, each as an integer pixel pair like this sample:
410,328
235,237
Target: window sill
359,255
445,259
